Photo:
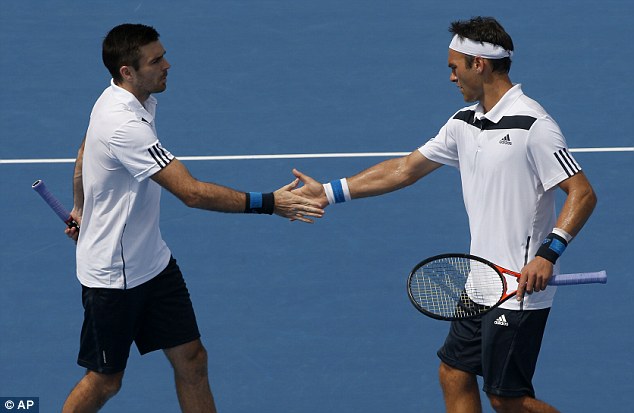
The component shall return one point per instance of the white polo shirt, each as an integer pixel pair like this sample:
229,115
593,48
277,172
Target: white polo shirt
120,244
510,160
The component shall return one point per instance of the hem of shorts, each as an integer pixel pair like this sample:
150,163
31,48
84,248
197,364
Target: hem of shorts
456,364
487,389
102,370
165,346
506,392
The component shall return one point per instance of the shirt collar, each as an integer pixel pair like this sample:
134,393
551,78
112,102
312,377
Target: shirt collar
499,110
145,111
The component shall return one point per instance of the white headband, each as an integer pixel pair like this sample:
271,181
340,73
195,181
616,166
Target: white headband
475,48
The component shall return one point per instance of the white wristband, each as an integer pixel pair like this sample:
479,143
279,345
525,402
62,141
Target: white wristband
562,234
337,191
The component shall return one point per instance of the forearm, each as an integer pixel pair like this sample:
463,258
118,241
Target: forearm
379,179
197,194
577,208
578,205
213,197
78,186
390,175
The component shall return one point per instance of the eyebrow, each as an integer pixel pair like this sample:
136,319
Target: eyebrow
156,58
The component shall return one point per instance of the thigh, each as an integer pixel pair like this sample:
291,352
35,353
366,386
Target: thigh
169,318
511,344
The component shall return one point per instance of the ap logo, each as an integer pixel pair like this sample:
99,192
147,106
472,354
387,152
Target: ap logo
10,404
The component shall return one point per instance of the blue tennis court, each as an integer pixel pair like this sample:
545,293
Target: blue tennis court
310,318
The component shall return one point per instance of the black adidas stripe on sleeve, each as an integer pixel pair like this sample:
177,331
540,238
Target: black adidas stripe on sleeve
159,155
567,162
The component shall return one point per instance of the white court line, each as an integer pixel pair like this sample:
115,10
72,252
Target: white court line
293,156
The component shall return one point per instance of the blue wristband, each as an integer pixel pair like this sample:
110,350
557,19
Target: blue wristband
259,203
552,247
337,190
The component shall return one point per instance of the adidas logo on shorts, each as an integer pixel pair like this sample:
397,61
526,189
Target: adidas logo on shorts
501,321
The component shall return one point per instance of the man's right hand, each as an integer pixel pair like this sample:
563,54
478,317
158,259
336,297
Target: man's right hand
311,189
72,232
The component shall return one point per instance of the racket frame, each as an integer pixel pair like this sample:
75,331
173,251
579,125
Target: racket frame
599,277
457,255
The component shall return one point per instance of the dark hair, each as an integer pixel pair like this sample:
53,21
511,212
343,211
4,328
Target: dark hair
485,29
121,47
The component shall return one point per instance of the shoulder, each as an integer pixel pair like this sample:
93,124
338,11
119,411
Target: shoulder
464,115
528,106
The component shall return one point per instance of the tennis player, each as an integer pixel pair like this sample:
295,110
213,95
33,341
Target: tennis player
132,288
511,156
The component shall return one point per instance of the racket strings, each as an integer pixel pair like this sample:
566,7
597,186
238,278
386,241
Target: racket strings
456,287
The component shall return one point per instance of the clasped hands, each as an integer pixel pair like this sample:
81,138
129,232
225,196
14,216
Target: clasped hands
301,203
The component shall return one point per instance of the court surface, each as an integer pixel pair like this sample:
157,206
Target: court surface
309,318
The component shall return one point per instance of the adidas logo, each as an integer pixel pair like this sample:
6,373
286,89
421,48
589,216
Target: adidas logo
501,321
506,140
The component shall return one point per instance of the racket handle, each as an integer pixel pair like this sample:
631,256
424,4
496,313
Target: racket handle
39,187
599,277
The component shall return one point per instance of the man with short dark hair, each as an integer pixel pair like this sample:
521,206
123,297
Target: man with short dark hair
132,288
511,156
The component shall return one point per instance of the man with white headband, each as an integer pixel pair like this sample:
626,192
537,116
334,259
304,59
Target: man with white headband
474,48
512,157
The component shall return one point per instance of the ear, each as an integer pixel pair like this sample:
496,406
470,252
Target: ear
126,73
478,64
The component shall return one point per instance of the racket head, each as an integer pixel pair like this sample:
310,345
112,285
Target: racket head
455,286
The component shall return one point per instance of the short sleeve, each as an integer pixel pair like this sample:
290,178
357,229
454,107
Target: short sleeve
441,148
548,153
138,149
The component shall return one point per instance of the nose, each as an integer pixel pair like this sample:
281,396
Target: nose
453,78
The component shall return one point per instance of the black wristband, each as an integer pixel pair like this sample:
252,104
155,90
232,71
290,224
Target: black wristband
552,247
259,203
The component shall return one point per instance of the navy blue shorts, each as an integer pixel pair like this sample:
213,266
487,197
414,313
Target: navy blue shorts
502,346
155,315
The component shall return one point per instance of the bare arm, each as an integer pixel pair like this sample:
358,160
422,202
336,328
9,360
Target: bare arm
384,177
78,185
579,204
391,175
78,192
177,179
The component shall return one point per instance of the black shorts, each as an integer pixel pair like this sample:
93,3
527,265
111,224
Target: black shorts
155,315
502,346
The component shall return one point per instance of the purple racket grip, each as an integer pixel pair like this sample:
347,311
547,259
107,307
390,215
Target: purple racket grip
599,277
54,203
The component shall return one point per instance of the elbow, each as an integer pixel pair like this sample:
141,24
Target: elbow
589,197
592,198
191,199
583,194
190,195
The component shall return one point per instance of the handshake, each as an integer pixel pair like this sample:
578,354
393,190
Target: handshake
301,203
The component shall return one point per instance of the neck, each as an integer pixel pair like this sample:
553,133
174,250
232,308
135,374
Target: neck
141,96
494,90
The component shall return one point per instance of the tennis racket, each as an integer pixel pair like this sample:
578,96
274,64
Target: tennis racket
460,286
54,203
